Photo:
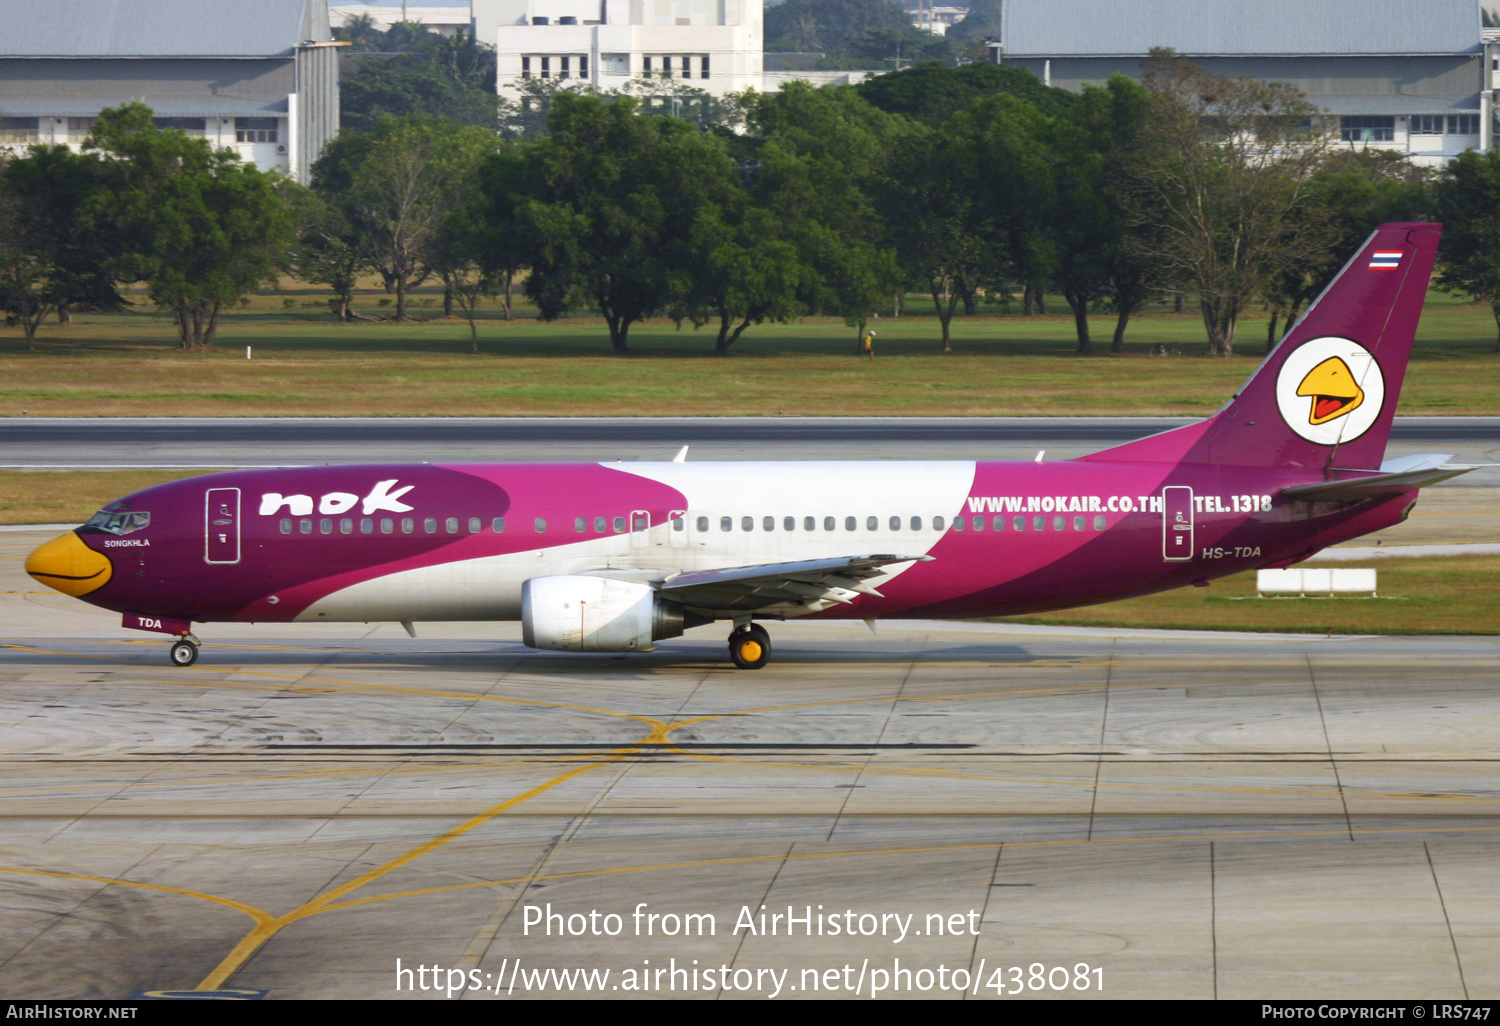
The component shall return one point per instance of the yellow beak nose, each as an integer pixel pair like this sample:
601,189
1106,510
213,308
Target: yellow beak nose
67,565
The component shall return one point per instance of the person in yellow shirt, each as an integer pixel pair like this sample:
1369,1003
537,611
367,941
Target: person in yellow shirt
867,347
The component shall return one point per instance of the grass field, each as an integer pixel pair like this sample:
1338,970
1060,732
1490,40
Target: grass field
1433,595
71,496
306,364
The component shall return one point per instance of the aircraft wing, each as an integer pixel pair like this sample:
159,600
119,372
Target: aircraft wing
803,582
1357,489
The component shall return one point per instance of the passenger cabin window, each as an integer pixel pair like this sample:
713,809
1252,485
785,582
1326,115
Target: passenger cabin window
540,523
346,526
937,523
828,523
809,523
619,525
726,524
979,523
387,525
367,526
1038,523
408,525
872,523
999,523
702,524
580,524
916,523
475,525
850,523
326,525
305,527
600,524
677,524
747,523
958,523
895,523
1019,523
789,524
1078,523
498,525
1099,523
429,524
118,523
768,524
286,527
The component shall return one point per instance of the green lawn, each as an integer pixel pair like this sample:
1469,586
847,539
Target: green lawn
304,363
1431,595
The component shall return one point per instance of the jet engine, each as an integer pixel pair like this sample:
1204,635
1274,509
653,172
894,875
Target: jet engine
577,613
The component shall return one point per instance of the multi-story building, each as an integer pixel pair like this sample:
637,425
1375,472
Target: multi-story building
260,79
712,45
937,20
1397,75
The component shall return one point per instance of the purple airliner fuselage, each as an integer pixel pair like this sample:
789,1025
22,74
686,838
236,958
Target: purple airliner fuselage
610,557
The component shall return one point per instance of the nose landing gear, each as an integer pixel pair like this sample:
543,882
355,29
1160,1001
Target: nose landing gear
750,646
184,651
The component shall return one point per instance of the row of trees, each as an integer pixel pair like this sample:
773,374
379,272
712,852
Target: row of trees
966,184
196,226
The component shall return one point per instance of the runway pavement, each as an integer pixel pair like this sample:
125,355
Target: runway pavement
1191,815
223,442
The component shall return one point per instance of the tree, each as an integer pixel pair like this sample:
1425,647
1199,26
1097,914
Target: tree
614,197
397,186
26,276
824,153
1467,203
198,226
1106,129
1011,158
743,271
459,258
329,250
1352,192
412,70
52,258
1224,168
933,92
943,233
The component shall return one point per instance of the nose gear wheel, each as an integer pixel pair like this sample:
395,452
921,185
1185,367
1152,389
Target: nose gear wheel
750,647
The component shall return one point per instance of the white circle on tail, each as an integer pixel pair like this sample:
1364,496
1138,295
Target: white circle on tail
1330,390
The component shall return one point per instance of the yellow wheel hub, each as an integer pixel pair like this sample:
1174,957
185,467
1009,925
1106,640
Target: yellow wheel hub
750,650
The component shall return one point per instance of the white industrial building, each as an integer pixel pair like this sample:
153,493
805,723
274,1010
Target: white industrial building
1398,75
937,20
712,45
260,79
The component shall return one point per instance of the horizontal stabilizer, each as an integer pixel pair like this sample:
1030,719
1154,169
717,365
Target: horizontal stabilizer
1426,461
1358,489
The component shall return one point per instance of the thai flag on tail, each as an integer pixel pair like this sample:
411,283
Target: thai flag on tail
1383,260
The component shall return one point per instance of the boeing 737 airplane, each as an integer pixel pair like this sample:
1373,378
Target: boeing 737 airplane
613,557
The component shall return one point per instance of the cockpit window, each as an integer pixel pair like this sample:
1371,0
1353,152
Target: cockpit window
118,523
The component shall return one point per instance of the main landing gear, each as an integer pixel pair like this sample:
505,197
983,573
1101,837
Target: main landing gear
184,651
750,646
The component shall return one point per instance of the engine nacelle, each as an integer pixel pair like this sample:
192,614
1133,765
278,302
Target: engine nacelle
577,613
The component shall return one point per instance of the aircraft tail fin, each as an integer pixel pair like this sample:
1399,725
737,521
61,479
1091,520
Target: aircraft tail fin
1326,395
